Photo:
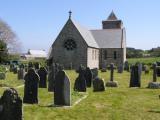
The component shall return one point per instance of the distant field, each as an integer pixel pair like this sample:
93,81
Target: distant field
122,103
143,60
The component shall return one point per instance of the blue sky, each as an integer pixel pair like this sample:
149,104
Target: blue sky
38,22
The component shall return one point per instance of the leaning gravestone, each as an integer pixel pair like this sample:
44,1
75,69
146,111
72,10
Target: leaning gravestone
88,76
2,75
95,73
80,82
98,85
62,92
154,84
135,79
10,105
21,73
42,72
31,87
112,83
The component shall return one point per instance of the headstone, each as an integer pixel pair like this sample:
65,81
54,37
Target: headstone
36,65
21,73
135,79
2,75
31,87
80,82
21,66
154,84
10,105
15,70
126,66
112,83
95,73
88,76
30,65
98,85
158,69
53,70
42,72
146,69
62,92
11,67
120,68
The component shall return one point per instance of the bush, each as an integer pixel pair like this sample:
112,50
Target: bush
2,68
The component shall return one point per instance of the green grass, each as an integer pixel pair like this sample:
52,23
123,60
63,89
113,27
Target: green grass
122,103
144,60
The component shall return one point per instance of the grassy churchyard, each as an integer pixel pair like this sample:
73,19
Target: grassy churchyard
122,103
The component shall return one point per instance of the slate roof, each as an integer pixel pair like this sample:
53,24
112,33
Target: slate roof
112,17
86,34
108,38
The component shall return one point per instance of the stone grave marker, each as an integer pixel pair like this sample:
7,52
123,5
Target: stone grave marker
88,76
95,73
31,87
62,92
126,66
10,105
30,65
2,75
120,68
135,78
42,72
154,84
80,82
158,69
21,73
98,85
112,83
36,66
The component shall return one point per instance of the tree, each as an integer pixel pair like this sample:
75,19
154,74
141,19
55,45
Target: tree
3,51
9,37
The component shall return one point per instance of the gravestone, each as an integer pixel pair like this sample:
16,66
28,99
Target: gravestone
158,69
30,65
95,73
62,92
126,66
80,82
21,73
21,66
31,87
112,83
88,76
53,70
2,75
42,72
10,105
98,85
135,78
146,69
120,68
15,70
36,66
11,67
154,84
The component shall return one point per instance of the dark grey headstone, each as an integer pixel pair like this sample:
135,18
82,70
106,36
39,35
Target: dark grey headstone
21,73
158,69
135,79
80,82
95,73
154,72
98,85
62,93
42,72
120,68
10,105
126,66
31,87
88,76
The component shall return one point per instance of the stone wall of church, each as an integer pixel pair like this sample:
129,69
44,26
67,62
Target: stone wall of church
70,58
93,58
111,55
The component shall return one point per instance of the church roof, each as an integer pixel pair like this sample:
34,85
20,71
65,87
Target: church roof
112,16
86,34
109,38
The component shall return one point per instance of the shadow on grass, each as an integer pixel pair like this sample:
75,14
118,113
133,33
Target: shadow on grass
154,111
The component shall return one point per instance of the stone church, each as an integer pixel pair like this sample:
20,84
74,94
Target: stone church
77,45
